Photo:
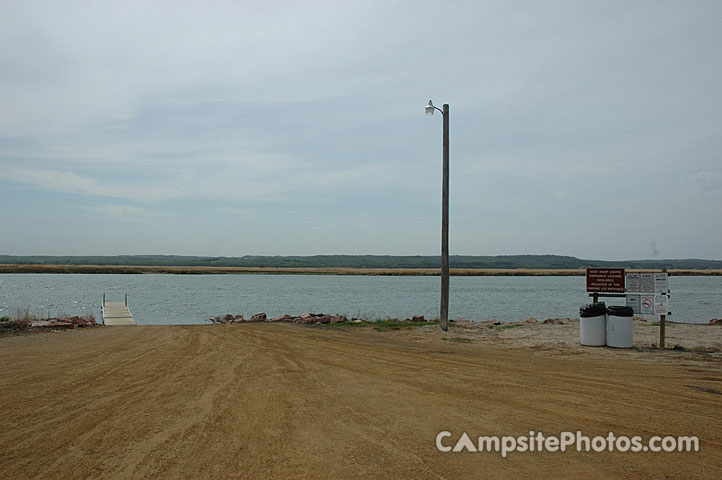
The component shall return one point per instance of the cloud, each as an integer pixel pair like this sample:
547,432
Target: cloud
315,107
71,183
706,182
242,213
255,178
53,181
122,212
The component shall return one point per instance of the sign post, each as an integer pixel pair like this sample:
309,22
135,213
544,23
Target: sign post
661,304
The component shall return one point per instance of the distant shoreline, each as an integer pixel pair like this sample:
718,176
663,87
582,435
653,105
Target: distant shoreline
200,270
391,263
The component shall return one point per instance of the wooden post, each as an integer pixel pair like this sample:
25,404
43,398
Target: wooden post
595,298
444,308
662,319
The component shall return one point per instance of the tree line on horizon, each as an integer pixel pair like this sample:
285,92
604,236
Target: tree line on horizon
363,261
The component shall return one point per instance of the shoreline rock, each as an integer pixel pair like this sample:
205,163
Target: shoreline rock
309,318
75,321
306,318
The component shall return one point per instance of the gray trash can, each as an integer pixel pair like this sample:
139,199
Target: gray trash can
593,324
620,327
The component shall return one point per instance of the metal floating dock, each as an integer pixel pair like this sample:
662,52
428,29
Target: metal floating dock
117,313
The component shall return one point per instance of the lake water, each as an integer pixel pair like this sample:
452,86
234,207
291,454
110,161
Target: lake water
175,299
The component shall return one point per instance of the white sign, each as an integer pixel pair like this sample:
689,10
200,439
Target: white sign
632,282
633,301
661,304
660,282
646,282
646,305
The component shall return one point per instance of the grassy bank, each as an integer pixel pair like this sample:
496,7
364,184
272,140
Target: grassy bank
199,270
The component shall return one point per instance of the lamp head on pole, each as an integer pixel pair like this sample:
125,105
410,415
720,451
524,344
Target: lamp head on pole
430,108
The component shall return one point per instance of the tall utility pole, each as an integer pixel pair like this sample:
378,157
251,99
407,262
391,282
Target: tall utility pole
444,313
444,308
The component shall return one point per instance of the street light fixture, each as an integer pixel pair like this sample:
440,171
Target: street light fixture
444,308
430,108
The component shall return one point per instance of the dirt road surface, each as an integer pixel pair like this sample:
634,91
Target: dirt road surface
287,401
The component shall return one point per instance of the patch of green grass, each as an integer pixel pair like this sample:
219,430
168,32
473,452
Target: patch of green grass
348,323
503,326
387,323
381,325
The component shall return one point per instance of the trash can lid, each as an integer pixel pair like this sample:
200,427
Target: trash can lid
620,311
593,310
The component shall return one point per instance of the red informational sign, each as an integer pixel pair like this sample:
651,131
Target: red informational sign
605,280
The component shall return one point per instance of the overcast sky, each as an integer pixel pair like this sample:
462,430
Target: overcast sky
585,128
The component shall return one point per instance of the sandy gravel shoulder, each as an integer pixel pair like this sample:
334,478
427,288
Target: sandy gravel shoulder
561,335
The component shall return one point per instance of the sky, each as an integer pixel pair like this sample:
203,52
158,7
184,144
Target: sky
231,128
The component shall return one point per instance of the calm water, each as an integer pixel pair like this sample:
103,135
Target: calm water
163,299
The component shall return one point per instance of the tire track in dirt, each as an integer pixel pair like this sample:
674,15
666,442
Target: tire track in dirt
279,401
